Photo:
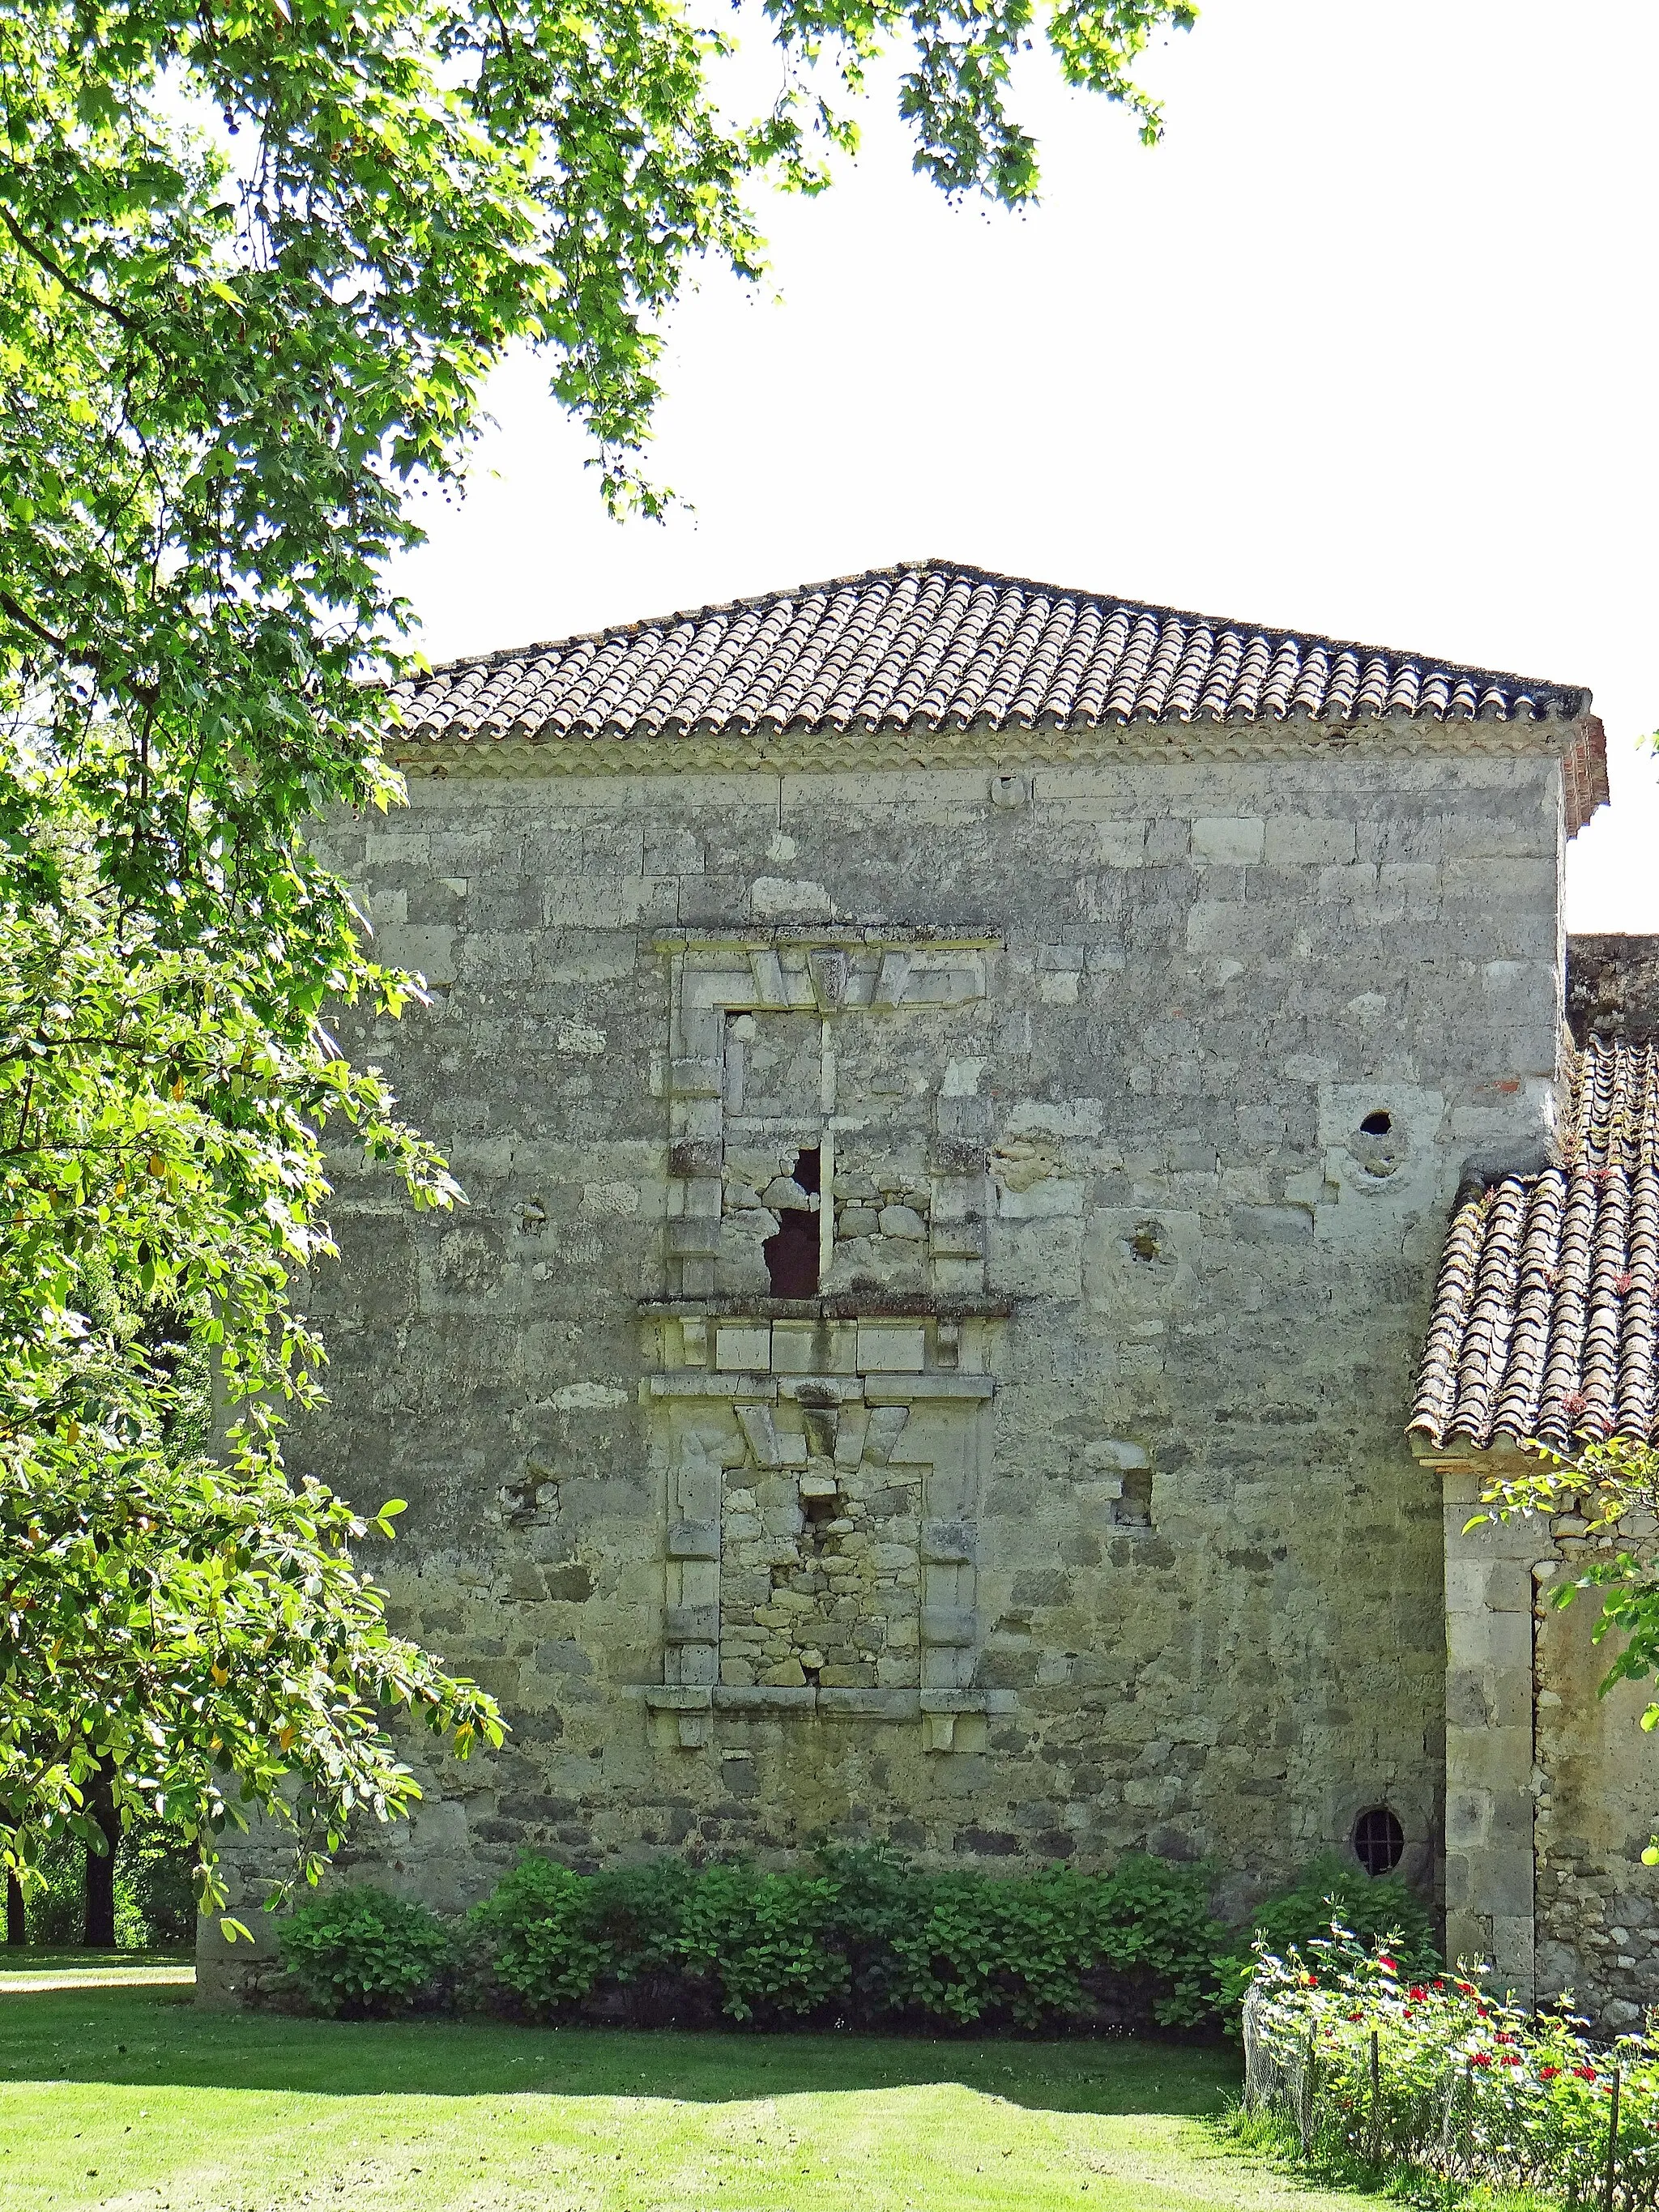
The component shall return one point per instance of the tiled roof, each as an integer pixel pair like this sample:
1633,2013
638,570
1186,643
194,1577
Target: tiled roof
937,646
1547,1312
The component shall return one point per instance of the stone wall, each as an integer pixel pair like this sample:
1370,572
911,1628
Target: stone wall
1140,1094
1598,1787
1613,986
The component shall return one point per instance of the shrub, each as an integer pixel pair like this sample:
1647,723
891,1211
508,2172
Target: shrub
1467,2088
974,1948
764,1941
535,1931
1375,1908
1044,1950
361,1952
1155,1942
866,1939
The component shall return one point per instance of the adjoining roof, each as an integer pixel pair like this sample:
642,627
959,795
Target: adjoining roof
1547,1313
939,645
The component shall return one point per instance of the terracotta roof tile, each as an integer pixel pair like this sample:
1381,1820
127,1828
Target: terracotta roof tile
1546,1311
933,645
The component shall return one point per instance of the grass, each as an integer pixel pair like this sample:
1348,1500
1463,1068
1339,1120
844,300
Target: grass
27,1959
132,2097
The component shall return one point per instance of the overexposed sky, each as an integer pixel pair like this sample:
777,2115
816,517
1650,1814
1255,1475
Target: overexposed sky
1366,347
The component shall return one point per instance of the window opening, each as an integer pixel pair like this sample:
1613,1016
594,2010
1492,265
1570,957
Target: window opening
1379,1840
1135,1504
1378,1124
792,1255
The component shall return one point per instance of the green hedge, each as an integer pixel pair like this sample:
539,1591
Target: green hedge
863,1940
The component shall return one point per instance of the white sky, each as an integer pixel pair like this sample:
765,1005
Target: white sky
1365,347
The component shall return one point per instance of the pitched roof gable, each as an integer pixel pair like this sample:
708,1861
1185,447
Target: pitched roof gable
939,643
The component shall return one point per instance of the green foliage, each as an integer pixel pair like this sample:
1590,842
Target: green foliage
54,1904
539,1935
766,1942
1376,1908
1035,1951
154,1900
361,1952
1467,2088
864,1939
1605,1483
154,1894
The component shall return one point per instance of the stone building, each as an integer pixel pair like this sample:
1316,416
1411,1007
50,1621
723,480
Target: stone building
961,1086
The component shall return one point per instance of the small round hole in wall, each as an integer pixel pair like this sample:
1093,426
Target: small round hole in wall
1377,1125
1379,1841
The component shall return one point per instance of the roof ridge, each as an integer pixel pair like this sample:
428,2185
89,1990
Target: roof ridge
1575,698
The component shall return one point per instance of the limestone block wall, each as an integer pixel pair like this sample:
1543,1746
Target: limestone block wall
1596,1781
1138,1092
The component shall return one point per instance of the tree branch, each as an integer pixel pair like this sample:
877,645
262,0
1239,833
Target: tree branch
38,254
22,615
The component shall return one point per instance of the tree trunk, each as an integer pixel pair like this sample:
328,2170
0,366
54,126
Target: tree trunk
16,1929
100,1930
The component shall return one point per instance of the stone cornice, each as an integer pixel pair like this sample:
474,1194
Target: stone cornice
829,751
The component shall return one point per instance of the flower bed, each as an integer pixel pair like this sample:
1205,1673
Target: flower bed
1354,2063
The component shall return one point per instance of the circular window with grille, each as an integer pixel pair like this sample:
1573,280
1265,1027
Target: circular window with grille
1379,1840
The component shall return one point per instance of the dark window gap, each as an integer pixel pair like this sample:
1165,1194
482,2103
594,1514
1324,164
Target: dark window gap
792,1255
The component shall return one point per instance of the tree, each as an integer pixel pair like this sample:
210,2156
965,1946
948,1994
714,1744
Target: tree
256,262
180,1637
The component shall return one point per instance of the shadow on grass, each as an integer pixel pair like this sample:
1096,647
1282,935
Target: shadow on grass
145,2037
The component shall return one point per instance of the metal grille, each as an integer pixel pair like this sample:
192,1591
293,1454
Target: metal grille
1378,1840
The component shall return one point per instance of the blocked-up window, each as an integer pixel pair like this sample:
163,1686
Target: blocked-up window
828,1119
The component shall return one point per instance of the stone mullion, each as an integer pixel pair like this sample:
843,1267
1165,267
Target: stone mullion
695,1135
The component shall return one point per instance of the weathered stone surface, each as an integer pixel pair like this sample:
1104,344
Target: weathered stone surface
1086,1052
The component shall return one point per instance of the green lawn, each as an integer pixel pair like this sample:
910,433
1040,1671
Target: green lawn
33,1963
132,2097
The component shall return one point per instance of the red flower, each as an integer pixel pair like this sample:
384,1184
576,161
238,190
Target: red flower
1585,2073
1481,2058
1311,1981
1464,1989
1509,2058
1388,1966
1355,2015
1503,2036
1439,1985
1421,1993
1548,2073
